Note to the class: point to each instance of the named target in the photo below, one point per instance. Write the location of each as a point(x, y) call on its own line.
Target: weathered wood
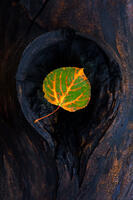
point(29, 169)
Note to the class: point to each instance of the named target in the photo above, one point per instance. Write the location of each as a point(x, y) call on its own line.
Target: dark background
point(28, 168)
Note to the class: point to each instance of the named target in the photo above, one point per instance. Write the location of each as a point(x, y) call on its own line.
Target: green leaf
point(68, 88)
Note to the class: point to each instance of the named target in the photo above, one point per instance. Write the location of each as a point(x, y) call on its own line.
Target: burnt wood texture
point(89, 159)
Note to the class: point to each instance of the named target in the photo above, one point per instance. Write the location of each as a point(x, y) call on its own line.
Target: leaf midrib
point(80, 72)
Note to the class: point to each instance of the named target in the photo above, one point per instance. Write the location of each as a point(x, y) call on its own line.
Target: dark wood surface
point(29, 169)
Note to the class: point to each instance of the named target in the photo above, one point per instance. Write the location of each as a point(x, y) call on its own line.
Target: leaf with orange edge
point(68, 88)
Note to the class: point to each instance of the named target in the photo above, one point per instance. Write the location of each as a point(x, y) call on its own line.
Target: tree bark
point(29, 167)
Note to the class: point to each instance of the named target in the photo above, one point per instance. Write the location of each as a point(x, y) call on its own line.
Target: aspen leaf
point(68, 88)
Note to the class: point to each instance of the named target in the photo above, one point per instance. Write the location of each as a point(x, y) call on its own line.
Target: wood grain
point(29, 170)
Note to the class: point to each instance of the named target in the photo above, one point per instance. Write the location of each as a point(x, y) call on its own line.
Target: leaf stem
point(47, 115)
